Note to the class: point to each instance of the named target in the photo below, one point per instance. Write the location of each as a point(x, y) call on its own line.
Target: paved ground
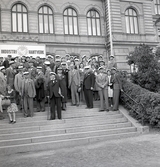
point(141, 151)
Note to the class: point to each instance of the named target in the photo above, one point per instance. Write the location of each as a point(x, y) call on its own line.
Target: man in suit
point(117, 87)
point(88, 85)
point(102, 87)
point(28, 93)
point(54, 90)
point(74, 83)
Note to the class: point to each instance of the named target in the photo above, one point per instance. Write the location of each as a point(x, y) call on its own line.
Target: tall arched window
point(131, 21)
point(93, 21)
point(19, 18)
point(45, 16)
point(70, 21)
point(157, 6)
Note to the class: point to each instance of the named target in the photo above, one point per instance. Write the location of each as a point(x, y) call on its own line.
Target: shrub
point(144, 105)
point(148, 74)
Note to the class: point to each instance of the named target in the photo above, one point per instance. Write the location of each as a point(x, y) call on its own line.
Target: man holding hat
point(55, 95)
point(88, 85)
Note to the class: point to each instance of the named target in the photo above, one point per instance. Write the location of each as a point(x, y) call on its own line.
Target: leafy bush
point(148, 74)
point(144, 105)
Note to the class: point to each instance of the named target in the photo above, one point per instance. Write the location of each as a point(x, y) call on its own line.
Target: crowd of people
point(27, 83)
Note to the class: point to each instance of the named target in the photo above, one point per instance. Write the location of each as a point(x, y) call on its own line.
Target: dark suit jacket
point(54, 88)
point(89, 80)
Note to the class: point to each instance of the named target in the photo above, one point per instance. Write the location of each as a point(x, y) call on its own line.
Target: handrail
point(142, 115)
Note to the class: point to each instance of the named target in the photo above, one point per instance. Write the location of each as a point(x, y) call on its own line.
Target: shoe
point(10, 122)
point(77, 105)
point(107, 110)
point(63, 109)
point(87, 108)
point(14, 122)
point(101, 110)
point(73, 105)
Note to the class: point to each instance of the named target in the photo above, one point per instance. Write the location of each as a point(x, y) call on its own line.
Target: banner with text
point(22, 50)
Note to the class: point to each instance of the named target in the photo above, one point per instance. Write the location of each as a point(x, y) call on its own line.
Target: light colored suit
point(102, 87)
point(28, 93)
point(74, 82)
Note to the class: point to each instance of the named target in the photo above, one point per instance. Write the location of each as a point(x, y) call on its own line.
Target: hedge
point(141, 103)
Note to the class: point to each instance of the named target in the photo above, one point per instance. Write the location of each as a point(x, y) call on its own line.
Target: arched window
point(131, 21)
point(70, 21)
point(157, 6)
point(19, 18)
point(45, 16)
point(93, 21)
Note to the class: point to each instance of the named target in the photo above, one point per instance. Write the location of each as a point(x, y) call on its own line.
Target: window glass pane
point(51, 24)
point(50, 11)
point(45, 9)
point(19, 22)
point(131, 25)
point(88, 14)
point(46, 24)
point(40, 23)
point(25, 26)
point(14, 22)
point(136, 25)
point(70, 25)
point(74, 13)
point(97, 15)
point(14, 8)
point(89, 26)
point(127, 25)
point(65, 12)
point(98, 27)
point(130, 12)
point(70, 12)
point(19, 8)
point(75, 26)
point(40, 10)
point(24, 9)
point(65, 25)
point(94, 26)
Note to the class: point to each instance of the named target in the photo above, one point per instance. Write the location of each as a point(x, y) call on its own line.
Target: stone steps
point(78, 126)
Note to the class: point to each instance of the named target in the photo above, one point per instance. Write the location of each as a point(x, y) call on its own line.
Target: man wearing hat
point(117, 87)
point(112, 62)
point(10, 73)
point(74, 82)
point(40, 85)
point(3, 81)
point(63, 84)
point(47, 71)
point(28, 93)
point(55, 95)
point(18, 85)
point(88, 85)
point(102, 87)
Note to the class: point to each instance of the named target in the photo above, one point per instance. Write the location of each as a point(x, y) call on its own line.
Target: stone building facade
point(78, 27)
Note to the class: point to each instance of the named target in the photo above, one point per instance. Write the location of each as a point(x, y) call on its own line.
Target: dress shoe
point(101, 110)
point(107, 110)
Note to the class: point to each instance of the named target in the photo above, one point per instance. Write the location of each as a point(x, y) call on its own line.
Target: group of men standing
point(55, 79)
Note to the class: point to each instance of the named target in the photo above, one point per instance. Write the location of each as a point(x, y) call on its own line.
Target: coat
point(74, 76)
point(54, 88)
point(102, 80)
point(40, 91)
point(28, 89)
point(89, 80)
point(117, 83)
point(3, 83)
point(18, 82)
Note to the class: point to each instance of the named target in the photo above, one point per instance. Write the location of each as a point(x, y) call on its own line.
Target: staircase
point(79, 126)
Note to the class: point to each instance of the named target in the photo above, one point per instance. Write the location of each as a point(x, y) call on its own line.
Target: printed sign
point(22, 50)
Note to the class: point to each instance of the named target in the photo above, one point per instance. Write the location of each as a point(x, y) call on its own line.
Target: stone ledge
point(140, 128)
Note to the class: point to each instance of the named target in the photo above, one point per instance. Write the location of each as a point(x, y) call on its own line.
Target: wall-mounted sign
point(22, 50)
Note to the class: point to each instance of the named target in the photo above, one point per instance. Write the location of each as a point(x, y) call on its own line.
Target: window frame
point(48, 15)
point(91, 18)
point(157, 7)
point(73, 25)
point(129, 17)
point(22, 19)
